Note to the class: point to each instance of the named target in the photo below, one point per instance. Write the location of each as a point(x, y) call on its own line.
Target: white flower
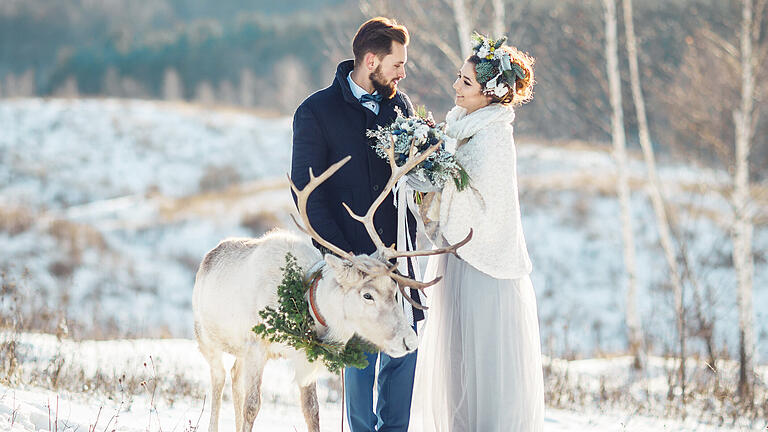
point(500, 90)
point(421, 132)
point(484, 50)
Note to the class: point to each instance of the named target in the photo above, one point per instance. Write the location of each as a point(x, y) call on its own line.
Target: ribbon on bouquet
point(404, 202)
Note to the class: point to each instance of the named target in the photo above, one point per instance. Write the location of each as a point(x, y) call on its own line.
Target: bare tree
point(654, 185)
point(20, 86)
point(464, 26)
point(132, 88)
point(173, 90)
point(499, 17)
point(226, 93)
point(68, 89)
point(247, 88)
point(204, 93)
point(744, 120)
point(111, 85)
point(292, 83)
point(717, 85)
point(620, 154)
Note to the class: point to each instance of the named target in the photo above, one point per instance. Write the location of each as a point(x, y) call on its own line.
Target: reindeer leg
point(253, 368)
point(310, 407)
point(238, 388)
point(218, 376)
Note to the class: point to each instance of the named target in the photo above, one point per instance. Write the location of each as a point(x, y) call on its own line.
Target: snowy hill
point(107, 207)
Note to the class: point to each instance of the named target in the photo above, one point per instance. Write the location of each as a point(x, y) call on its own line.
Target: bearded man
point(328, 126)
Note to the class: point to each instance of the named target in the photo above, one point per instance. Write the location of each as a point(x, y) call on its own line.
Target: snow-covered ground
point(107, 207)
point(169, 365)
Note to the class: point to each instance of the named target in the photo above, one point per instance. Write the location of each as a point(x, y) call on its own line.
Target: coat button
point(375, 187)
point(380, 231)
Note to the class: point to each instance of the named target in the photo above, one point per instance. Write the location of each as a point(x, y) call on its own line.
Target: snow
point(26, 408)
point(28, 411)
point(114, 190)
point(64, 152)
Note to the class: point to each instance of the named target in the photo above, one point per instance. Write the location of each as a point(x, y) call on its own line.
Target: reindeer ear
point(346, 274)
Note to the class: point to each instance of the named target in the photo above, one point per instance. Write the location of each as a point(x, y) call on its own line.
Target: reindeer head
point(369, 305)
point(369, 283)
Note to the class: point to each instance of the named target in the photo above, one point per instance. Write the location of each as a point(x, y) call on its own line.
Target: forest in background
point(266, 55)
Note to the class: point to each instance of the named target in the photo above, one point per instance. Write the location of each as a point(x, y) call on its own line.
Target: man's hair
point(376, 36)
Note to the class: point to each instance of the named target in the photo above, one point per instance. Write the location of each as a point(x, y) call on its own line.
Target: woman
point(479, 364)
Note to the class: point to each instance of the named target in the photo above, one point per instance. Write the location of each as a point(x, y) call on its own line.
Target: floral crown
point(495, 67)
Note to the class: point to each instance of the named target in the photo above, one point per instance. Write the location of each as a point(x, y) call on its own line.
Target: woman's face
point(469, 93)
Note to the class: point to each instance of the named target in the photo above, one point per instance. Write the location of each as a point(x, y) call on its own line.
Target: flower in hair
point(495, 67)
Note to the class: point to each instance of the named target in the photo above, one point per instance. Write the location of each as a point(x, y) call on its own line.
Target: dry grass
point(711, 393)
point(205, 109)
point(261, 222)
point(16, 220)
point(75, 238)
point(218, 177)
point(59, 373)
point(211, 203)
point(567, 144)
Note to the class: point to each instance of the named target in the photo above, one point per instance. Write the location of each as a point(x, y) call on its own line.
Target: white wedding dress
point(479, 359)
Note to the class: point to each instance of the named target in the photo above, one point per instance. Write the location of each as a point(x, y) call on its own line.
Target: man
point(328, 126)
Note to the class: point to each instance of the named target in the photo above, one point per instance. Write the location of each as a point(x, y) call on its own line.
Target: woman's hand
point(420, 185)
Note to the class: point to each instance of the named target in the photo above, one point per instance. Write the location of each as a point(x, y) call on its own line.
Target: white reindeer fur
point(239, 278)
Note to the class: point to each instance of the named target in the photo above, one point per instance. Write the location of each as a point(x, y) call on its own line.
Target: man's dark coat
point(328, 126)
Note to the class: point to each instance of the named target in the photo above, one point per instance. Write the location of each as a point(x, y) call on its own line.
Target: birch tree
point(173, 90)
point(499, 16)
point(620, 155)
point(744, 120)
point(718, 86)
point(464, 27)
point(654, 185)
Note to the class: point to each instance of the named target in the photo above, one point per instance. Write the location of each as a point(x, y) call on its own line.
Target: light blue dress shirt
point(359, 92)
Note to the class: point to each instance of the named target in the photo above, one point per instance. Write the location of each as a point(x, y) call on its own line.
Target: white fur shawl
point(490, 205)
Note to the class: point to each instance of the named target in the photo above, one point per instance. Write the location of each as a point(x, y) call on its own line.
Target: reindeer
point(355, 294)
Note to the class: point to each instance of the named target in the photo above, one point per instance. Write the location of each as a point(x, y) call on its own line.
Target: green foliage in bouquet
point(291, 324)
point(422, 113)
point(462, 179)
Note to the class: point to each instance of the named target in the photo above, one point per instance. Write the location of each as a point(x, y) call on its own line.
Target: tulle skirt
point(479, 361)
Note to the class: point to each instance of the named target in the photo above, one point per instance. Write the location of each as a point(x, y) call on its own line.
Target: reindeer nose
point(411, 342)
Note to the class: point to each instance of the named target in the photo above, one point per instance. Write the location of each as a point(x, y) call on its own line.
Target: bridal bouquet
point(422, 132)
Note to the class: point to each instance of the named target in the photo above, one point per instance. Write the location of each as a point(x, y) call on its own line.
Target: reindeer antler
point(448, 249)
point(385, 252)
point(403, 281)
point(302, 196)
point(388, 252)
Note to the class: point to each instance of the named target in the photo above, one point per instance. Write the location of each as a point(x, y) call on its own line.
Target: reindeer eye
point(367, 296)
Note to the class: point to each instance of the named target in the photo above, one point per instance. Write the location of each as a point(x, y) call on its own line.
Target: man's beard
point(385, 90)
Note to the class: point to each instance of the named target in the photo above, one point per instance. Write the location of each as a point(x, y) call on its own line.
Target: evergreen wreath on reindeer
point(291, 323)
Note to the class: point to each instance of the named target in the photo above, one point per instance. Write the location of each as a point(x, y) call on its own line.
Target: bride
point(479, 362)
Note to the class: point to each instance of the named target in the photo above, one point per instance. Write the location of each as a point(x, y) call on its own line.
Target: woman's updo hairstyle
point(488, 64)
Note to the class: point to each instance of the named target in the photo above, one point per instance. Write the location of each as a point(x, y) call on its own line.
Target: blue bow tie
point(370, 98)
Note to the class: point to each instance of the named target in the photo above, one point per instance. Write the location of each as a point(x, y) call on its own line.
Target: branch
point(725, 46)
